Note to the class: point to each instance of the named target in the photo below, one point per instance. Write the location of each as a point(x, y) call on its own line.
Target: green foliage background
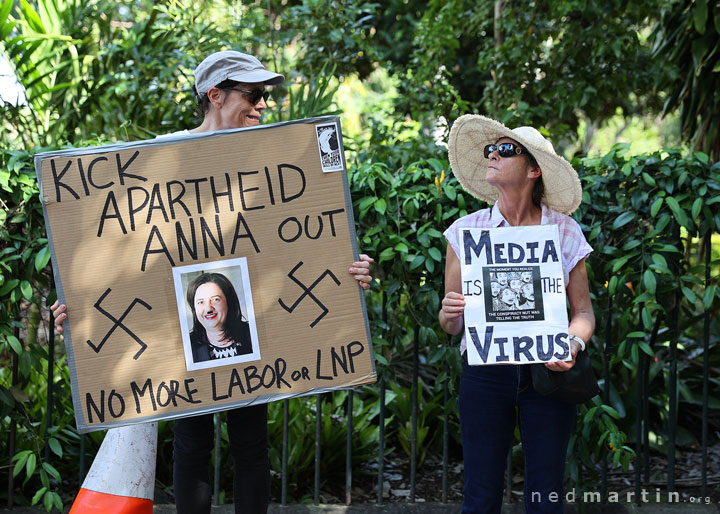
point(110, 70)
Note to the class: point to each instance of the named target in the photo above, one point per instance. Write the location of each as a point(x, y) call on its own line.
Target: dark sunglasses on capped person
point(255, 94)
point(504, 150)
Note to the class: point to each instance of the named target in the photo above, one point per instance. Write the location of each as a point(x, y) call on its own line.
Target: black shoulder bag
point(576, 385)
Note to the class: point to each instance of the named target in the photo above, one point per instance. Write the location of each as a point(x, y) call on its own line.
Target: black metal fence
point(642, 466)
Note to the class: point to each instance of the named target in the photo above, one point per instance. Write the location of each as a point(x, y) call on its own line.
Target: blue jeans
point(247, 432)
point(489, 399)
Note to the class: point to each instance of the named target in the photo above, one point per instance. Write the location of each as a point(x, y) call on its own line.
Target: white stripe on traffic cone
point(121, 479)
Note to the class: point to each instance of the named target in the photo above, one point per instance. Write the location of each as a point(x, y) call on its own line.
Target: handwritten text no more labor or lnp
point(331, 364)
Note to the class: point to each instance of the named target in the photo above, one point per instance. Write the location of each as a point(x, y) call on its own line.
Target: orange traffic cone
point(121, 479)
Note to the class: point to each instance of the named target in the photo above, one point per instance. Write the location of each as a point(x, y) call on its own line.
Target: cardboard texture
point(266, 207)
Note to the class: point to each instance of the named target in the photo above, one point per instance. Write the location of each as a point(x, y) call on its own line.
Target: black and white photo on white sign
point(512, 289)
point(513, 293)
point(329, 147)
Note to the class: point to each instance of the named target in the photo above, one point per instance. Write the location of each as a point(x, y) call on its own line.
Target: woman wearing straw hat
point(230, 91)
point(527, 183)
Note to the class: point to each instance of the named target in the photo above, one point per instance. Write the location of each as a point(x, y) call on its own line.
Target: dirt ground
point(620, 484)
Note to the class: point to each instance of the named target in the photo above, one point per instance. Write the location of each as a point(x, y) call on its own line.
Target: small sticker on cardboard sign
point(329, 147)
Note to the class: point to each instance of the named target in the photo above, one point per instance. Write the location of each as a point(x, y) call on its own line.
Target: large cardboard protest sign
point(158, 246)
point(515, 302)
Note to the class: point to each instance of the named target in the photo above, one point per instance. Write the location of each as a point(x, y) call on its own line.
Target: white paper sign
point(512, 280)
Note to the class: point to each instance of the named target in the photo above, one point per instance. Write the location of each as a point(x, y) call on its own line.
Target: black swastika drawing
point(308, 292)
point(119, 323)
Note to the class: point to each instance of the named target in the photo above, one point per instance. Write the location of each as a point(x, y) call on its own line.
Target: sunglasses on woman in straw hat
point(504, 150)
point(473, 138)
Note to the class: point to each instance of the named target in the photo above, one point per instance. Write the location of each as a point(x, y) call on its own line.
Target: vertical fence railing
point(643, 460)
point(381, 444)
point(606, 388)
point(285, 442)
point(672, 386)
point(672, 393)
point(381, 420)
point(216, 477)
point(50, 382)
point(348, 450)
point(318, 449)
point(640, 423)
point(13, 426)
point(414, 389)
point(445, 437)
point(706, 370)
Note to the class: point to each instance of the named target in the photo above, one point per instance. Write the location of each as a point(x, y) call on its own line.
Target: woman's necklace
point(222, 347)
point(223, 352)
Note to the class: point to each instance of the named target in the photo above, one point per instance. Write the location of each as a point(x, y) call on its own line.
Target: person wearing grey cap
point(230, 91)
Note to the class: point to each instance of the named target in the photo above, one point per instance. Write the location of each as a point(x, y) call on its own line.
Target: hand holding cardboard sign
point(58, 311)
point(360, 270)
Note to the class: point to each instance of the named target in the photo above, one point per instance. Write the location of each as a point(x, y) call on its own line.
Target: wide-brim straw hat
point(468, 137)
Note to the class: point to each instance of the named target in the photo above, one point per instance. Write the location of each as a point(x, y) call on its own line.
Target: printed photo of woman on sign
point(216, 319)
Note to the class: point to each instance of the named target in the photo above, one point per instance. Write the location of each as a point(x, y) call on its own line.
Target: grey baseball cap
point(232, 65)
